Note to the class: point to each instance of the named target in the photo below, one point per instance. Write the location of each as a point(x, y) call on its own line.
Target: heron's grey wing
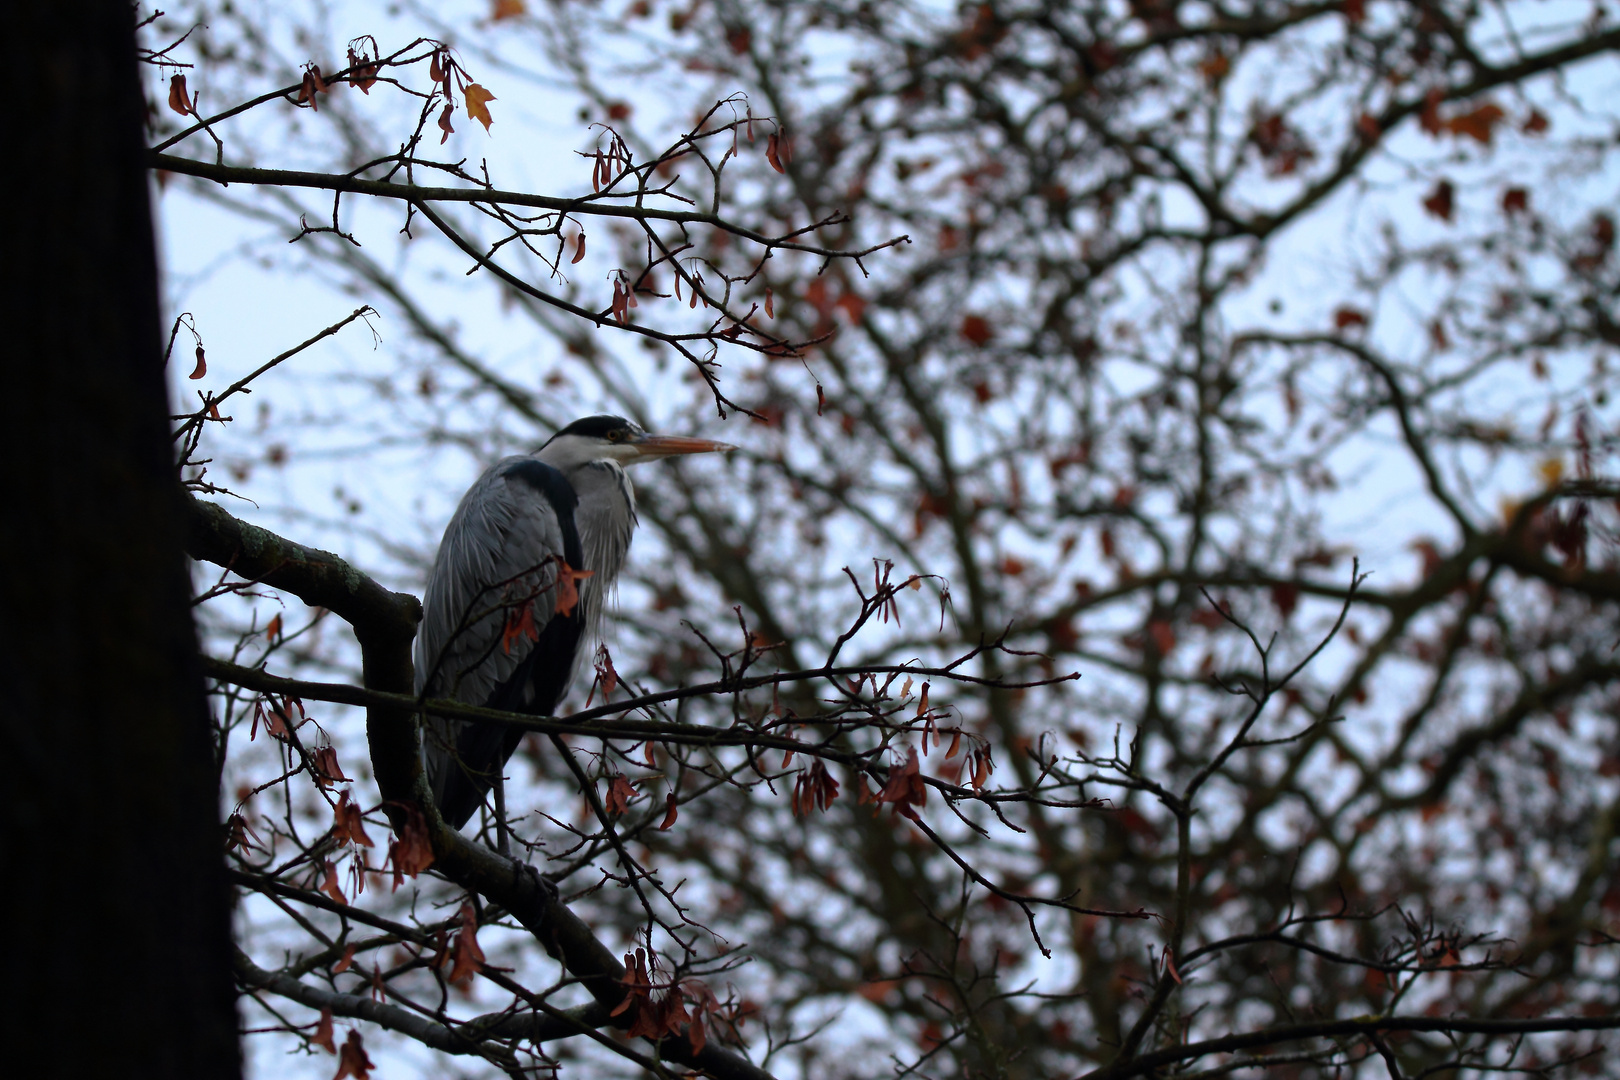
point(487, 635)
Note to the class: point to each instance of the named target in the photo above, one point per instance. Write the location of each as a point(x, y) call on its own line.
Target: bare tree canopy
point(1162, 620)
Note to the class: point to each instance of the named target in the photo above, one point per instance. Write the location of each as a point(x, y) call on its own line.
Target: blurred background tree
point(1206, 312)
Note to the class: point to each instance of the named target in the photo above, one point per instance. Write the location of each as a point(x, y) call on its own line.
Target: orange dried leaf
point(519, 625)
point(273, 630)
point(329, 883)
point(670, 813)
point(345, 962)
point(202, 365)
point(179, 100)
point(477, 100)
point(507, 9)
point(579, 248)
point(1477, 124)
point(773, 152)
point(567, 590)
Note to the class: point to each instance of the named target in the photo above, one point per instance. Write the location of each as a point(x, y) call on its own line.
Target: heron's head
point(595, 439)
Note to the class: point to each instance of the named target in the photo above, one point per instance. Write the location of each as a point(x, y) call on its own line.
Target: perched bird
point(517, 591)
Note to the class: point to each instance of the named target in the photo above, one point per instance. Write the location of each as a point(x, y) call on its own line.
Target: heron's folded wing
point(492, 591)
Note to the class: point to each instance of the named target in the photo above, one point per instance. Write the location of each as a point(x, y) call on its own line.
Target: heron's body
point(493, 632)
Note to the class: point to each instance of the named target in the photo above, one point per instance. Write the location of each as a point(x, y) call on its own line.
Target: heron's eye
point(615, 436)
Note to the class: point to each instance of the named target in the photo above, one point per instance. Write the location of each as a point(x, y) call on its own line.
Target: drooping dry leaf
point(348, 823)
point(568, 590)
point(444, 126)
point(507, 9)
point(329, 883)
point(814, 789)
point(610, 677)
point(905, 787)
point(312, 85)
point(323, 1033)
point(179, 100)
point(238, 833)
point(467, 959)
point(352, 1060)
point(344, 961)
point(477, 100)
point(362, 72)
point(636, 981)
point(621, 792)
point(202, 365)
point(328, 771)
point(670, 813)
point(579, 249)
point(412, 853)
point(519, 625)
point(1441, 200)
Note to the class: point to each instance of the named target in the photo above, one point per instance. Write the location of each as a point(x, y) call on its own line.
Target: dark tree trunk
point(118, 931)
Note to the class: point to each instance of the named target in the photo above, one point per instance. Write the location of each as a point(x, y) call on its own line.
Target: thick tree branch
point(1359, 1026)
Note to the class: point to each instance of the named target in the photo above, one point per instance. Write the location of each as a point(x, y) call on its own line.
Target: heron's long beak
point(650, 447)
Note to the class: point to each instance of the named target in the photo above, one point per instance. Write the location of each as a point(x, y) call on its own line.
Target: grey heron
point(502, 626)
